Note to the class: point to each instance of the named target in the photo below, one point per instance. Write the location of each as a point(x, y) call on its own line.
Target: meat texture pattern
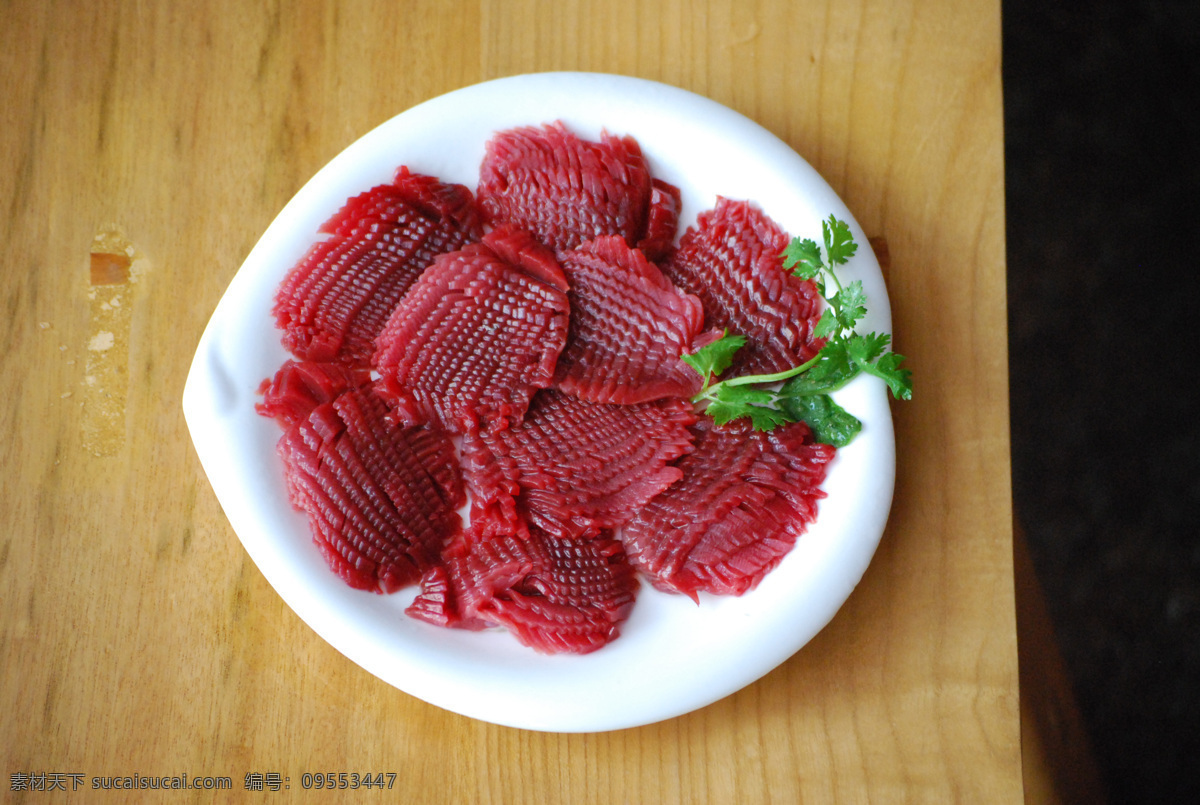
point(486, 395)
point(333, 304)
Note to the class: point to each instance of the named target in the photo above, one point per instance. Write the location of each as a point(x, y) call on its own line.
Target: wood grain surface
point(146, 146)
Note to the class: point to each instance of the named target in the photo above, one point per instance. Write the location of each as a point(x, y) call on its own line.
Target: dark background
point(1102, 168)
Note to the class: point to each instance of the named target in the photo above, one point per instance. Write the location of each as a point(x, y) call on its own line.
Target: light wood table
point(136, 635)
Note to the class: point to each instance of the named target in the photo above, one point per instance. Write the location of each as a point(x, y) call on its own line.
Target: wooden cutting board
point(146, 147)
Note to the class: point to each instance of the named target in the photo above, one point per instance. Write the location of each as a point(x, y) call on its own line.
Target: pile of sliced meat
point(487, 397)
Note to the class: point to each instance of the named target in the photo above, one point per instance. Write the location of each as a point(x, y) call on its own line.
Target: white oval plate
point(673, 656)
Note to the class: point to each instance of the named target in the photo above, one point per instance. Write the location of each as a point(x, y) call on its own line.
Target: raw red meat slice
point(628, 327)
point(574, 468)
point(381, 500)
point(479, 332)
point(299, 387)
point(732, 260)
point(662, 221)
point(744, 499)
point(566, 190)
point(334, 302)
point(436, 602)
point(555, 595)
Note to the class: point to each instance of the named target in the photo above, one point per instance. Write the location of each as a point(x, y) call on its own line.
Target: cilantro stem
point(709, 391)
point(828, 271)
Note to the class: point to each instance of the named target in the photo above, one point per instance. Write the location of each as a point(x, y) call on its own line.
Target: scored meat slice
point(477, 335)
point(628, 327)
point(554, 595)
point(744, 499)
point(732, 260)
point(567, 190)
point(333, 303)
point(662, 220)
point(381, 500)
point(300, 386)
point(574, 468)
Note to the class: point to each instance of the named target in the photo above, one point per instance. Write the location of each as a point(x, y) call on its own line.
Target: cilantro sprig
point(802, 393)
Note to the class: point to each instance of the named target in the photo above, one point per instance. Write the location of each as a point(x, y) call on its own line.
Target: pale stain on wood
point(111, 300)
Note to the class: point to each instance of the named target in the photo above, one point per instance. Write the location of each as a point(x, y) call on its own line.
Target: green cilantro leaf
point(868, 354)
point(826, 326)
point(851, 304)
point(839, 241)
point(832, 370)
point(803, 258)
point(766, 419)
point(733, 402)
point(830, 423)
point(888, 369)
point(863, 349)
point(712, 359)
